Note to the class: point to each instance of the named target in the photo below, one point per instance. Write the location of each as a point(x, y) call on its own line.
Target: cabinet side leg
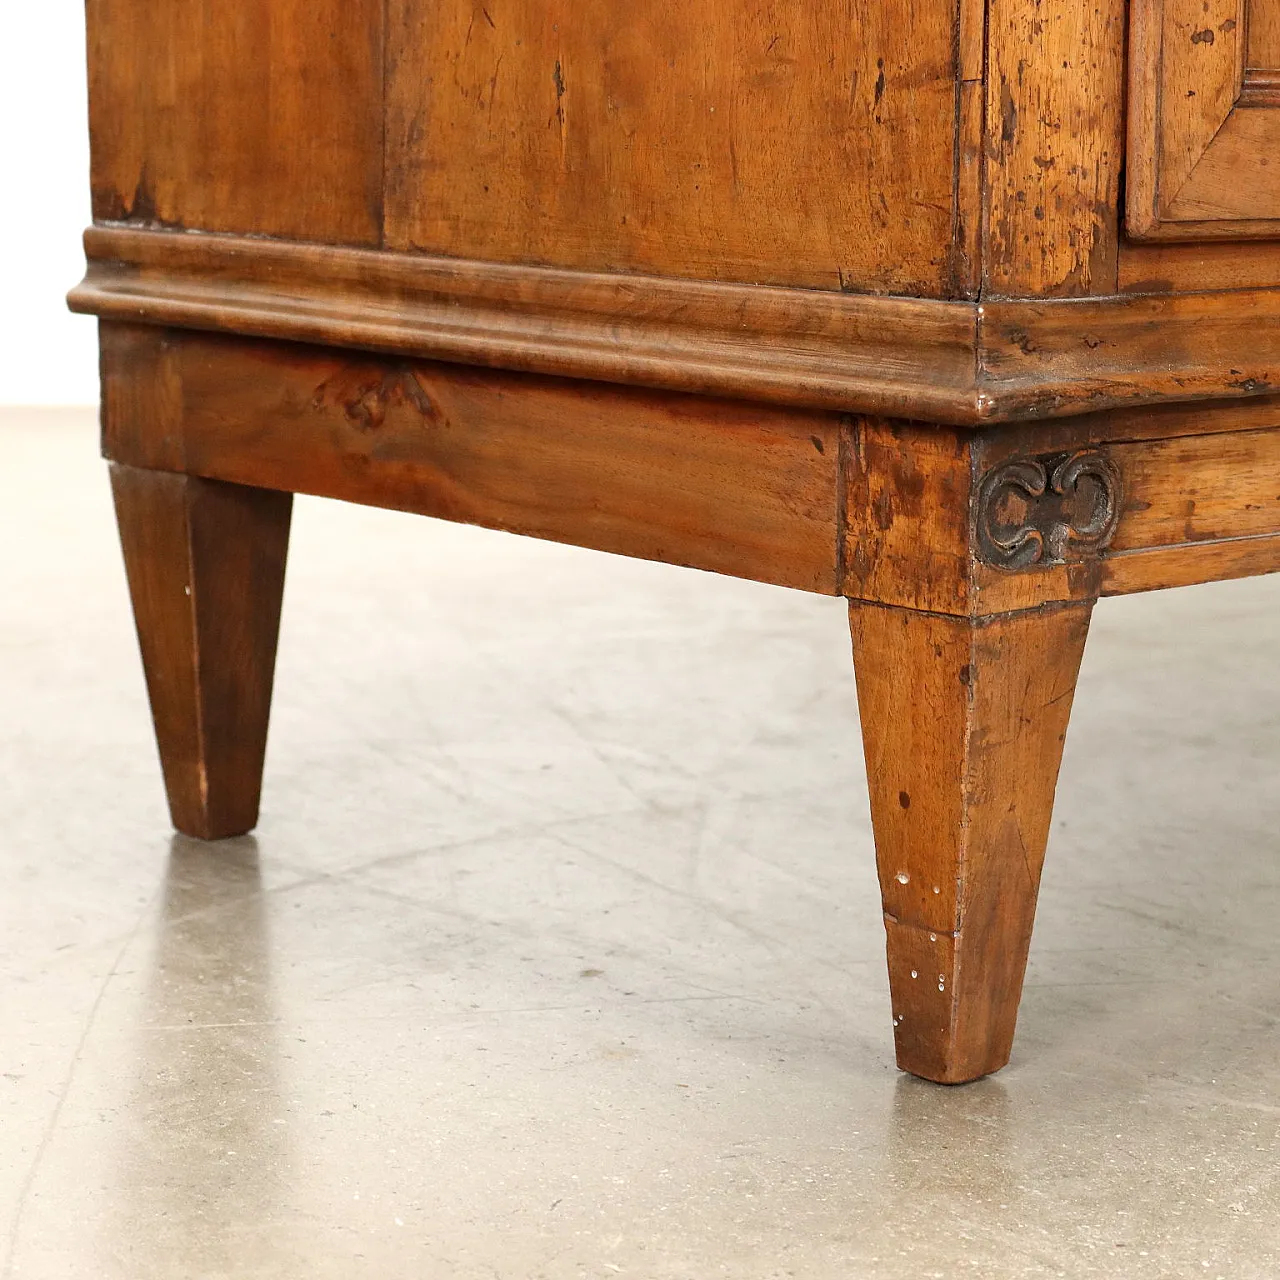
point(963, 723)
point(205, 562)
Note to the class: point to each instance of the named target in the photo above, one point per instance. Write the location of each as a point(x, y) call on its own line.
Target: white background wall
point(47, 355)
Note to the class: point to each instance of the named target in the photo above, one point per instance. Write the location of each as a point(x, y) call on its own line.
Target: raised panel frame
point(1204, 124)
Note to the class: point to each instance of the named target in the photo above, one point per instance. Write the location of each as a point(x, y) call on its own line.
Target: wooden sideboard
point(967, 312)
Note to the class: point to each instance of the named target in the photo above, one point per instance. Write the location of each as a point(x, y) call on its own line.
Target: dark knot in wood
point(1040, 511)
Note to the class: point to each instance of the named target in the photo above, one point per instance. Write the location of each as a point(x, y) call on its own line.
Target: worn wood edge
point(1142, 124)
point(954, 362)
point(1187, 564)
point(1261, 88)
point(1168, 231)
point(807, 348)
point(1120, 573)
point(1055, 358)
point(1180, 267)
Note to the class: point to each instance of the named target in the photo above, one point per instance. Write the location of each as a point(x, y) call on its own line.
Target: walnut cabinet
point(967, 312)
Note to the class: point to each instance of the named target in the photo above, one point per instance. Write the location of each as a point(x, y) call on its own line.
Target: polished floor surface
point(558, 951)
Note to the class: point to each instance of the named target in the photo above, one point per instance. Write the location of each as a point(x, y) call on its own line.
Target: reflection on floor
point(558, 951)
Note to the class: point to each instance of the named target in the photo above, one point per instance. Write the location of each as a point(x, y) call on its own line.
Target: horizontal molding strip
point(934, 361)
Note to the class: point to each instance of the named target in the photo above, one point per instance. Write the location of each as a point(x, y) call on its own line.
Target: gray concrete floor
point(558, 951)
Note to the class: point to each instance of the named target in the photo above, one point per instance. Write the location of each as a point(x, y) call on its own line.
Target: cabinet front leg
point(963, 721)
point(205, 562)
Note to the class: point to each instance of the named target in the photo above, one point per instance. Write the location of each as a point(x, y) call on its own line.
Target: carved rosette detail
point(1045, 511)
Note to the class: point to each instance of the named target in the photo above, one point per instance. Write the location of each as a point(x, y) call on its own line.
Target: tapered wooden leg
point(963, 722)
point(206, 567)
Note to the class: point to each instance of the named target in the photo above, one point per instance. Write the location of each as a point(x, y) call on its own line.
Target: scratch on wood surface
point(561, 114)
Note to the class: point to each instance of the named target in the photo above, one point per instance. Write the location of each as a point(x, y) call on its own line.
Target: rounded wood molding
point(963, 363)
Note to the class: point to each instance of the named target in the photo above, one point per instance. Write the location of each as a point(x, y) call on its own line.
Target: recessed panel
point(807, 144)
point(254, 117)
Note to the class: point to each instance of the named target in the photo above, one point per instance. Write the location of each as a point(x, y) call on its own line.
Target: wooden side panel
point(735, 488)
point(1153, 267)
point(141, 389)
point(250, 117)
point(968, 246)
point(1199, 489)
point(804, 144)
point(1188, 565)
point(1055, 133)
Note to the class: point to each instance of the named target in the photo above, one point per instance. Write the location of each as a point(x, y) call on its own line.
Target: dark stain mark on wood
point(366, 394)
point(111, 206)
point(1008, 115)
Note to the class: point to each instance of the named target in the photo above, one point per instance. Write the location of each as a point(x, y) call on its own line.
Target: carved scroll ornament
point(1042, 511)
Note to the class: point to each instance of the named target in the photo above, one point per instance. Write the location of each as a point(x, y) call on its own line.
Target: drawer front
point(1204, 120)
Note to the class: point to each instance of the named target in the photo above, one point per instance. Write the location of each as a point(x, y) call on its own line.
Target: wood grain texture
point(1189, 564)
point(256, 118)
point(1055, 147)
point(1133, 422)
point(1199, 489)
point(1201, 62)
point(970, 148)
point(746, 490)
point(963, 724)
point(952, 362)
point(807, 145)
point(908, 515)
point(1159, 267)
point(1188, 481)
point(1203, 130)
point(1248, 143)
point(910, 520)
point(967, 270)
point(1044, 359)
point(793, 346)
point(206, 566)
point(1263, 23)
point(1181, 80)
